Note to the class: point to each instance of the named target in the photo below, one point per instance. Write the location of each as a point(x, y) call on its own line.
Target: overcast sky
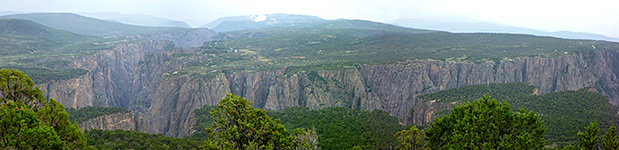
point(592, 16)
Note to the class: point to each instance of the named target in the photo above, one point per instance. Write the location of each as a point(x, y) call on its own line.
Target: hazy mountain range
point(469, 25)
point(111, 23)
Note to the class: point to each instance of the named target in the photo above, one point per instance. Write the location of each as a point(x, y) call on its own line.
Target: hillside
point(138, 19)
point(23, 36)
point(235, 23)
point(459, 24)
point(564, 113)
point(85, 25)
point(346, 43)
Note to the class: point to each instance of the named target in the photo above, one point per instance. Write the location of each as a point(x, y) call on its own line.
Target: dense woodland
point(564, 113)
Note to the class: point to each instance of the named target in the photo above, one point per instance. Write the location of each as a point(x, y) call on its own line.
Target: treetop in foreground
point(237, 125)
point(486, 124)
point(29, 121)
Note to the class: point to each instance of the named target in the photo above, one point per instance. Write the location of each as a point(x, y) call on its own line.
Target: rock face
point(132, 76)
point(123, 121)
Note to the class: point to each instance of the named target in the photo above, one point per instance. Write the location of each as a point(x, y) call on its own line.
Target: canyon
point(137, 76)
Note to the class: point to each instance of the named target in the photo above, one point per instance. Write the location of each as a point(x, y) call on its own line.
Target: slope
point(85, 25)
point(138, 19)
point(23, 36)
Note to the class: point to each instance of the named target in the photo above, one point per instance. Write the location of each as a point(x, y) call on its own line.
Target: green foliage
point(570, 147)
point(486, 124)
point(410, 139)
point(344, 128)
point(29, 121)
point(20, 129)
point(348, 43)
point(611, 140)
point(23, 37)
point(124, 139)
point(240, 126)
point(563, 112)
point(83, 114)
point(588, 139)
point(43, 75)
point(336, 128)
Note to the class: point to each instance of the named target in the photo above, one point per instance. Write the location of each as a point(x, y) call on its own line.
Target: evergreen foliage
point(125, 139)
point(83, 114)
point(29, 120)
point(239, 126)
point(411, 139)
point(588, 139)
point(343, 128)
point(486, 124)
point(563, 112)
point(611, 141)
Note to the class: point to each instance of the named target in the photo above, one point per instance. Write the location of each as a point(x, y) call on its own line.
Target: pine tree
point(610, 141)
point(28, 121)
point(410, 139)
point(486, 124)
point(589, 138)
point(239, 126)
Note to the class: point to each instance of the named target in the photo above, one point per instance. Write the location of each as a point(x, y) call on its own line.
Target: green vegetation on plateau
point(83, 114)
point(343, 44)
point(564, 113)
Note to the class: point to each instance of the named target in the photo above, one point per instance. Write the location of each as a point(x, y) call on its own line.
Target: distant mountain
point(86, 25)
point(236, 23)
point(469, 25)
point(138, 19)
point(24, 37)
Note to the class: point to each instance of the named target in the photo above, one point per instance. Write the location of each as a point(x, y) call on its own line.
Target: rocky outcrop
point(123, 121)
point(132, 76)
point(113, 76)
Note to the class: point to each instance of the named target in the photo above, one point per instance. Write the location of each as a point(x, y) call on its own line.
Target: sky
point(590, 16)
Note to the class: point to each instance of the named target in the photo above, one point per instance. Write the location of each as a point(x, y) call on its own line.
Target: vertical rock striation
point(132, 76)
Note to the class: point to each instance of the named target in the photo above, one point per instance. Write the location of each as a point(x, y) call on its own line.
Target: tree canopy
point(237, 125)
point(29, 121)
point(486, 124)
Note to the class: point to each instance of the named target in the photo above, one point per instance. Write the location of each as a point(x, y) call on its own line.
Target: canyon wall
point(133, 76)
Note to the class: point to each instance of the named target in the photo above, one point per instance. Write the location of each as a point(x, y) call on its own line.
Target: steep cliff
point(112, 76)
point(134, 76)
point(123, 121)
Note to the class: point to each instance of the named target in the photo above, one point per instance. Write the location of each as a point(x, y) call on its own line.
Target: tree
point(410, 139)
point(610, 141)
point(486, 124)
point(589, 138)
point(28, 121)
point(239, 126)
